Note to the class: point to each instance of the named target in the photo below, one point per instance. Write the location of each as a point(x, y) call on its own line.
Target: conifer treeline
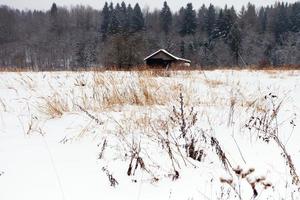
point(122, 35)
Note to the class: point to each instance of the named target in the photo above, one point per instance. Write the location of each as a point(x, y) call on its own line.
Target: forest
point(121, 35)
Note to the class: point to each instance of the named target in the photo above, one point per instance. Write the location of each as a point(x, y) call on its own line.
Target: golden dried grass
point(214, 83)
point(54, 106)
point(141, 91)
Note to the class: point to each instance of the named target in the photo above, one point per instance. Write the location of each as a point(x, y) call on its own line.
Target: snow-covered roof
point(169, 54)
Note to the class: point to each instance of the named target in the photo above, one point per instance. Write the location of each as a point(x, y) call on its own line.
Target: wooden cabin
point(163, 58)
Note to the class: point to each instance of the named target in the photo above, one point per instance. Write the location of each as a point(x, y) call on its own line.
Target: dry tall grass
point(137, 89)
point(98, 91)
point(54, 106)
point(103, 91)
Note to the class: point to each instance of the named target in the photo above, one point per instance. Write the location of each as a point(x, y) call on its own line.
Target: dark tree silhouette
point(189, 23)
point(166, 18)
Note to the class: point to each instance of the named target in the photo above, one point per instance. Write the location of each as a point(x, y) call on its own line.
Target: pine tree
point(189, 23)
point(166, 18)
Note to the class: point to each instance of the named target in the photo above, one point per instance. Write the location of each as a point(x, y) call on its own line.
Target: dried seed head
point(251, 170)
point(260, 179)
point(267, 185)
point(238, 170)
point(228, 181)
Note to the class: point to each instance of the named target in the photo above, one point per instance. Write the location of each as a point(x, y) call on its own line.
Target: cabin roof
point(169, 54)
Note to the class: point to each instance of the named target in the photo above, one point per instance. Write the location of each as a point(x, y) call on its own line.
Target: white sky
point(98, 4)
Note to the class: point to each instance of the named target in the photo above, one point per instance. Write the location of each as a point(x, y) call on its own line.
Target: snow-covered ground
point(120, 135)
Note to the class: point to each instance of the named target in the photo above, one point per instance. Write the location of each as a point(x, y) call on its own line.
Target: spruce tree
point(295, 17)
point(281, 22)
point(220, 25)
point(53, 11)
point(189, 23)
point(202, 13)
point(54, 22)
point(210, 20)
point(226, 19)
point(129, 14)
point(105, 20)
point(234, 41)
point(262, 20)
point(114, 25)
point(137, 19)
point(166, 18)
point(123, 18)
point(248, 18)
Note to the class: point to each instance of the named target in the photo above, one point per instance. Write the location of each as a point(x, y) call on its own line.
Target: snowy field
point(150, 135)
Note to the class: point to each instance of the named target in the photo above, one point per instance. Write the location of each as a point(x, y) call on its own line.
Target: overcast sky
point(98, 4)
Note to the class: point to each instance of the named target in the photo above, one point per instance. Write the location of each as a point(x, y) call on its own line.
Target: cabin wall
point(158, 62)
point(164, 63)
